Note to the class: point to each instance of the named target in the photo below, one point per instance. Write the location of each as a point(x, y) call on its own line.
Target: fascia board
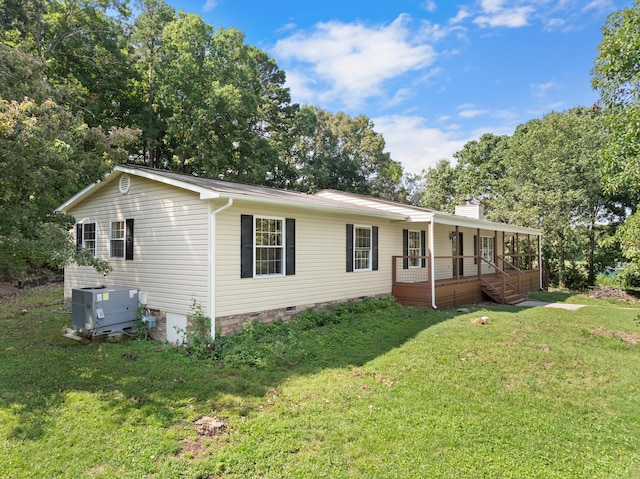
point(452, 220)
point(205, 193)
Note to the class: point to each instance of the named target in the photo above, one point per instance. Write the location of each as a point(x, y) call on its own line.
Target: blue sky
point(431, 74)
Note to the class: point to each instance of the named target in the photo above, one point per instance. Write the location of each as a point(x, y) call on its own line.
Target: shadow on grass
point(39, 367)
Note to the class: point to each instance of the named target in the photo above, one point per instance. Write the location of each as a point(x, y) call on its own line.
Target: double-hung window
point(116, 239)
point(86, 237)
point(89, 237)
point(362, 248)
point(269, 246)
point(415, 249)
point(121, 239)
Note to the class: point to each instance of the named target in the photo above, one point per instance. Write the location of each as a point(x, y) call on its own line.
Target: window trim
point(282, 247)
point(369, 249)
point(123, 239)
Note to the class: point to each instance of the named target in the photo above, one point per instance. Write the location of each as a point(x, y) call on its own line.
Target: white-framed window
point(269, 246)
point(415, 248)
point(362, 248)
point(89, 237)
point(487, 248)
point(117, 232)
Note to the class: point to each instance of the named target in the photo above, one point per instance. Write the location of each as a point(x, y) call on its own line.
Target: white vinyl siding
point(320, 261)
point(171, 243)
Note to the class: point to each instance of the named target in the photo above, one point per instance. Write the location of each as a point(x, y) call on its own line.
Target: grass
point(380, 391)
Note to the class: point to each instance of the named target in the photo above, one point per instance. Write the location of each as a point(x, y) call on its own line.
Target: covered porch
point(501, 269)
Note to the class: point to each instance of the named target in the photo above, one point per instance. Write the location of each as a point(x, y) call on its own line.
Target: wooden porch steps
point(492, 287)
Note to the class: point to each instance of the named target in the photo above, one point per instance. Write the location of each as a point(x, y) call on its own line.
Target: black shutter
point(128, 243)
point(246, 246)
point(423, 247)
point(461, 253)
point(349, 248)
point(405, 249)
point(374, 246)
point(291, 246)
point(79, 236)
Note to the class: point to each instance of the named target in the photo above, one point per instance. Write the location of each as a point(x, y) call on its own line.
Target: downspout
point(212, 267)
point(432, 262)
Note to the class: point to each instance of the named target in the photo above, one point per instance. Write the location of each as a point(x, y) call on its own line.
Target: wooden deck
point(413, 290)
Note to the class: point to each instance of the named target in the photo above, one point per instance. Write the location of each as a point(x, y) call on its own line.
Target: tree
point(479, 171)
point(83, 49)
point(50, 154)
point(616, 77)
point(147, 40)
point(553, 182)
point(344, 153)
point(439, 188)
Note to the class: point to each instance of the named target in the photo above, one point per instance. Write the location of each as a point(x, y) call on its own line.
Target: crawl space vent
point(125, 184)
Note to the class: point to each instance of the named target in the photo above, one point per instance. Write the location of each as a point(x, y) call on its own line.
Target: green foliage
point(259, 344)
point(344, 153)
point(51, 154)
point(198, 342)
point(616, 77)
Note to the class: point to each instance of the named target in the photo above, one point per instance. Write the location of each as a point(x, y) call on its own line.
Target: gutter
point(212, 266)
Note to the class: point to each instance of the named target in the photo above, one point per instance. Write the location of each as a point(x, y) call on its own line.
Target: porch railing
point(411, 269)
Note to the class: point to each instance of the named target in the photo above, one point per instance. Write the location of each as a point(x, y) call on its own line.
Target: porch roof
point(416, 214)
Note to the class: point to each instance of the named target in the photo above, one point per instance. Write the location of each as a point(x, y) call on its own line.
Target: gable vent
point(125, 184)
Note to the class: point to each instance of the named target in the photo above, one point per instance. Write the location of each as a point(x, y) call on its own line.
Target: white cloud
point(540, 89)
point(429, 5)
point(354, 60)
point(472, 113)
point(462, 14)
point(513, 18)
point(415, 145)
point(209, 5)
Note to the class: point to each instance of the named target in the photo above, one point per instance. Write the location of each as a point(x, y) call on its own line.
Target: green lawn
point(380, 391)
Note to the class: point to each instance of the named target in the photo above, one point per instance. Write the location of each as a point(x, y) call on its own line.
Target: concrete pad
point(544, 304)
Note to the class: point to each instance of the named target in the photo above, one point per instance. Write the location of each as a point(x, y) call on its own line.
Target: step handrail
point(503, 275)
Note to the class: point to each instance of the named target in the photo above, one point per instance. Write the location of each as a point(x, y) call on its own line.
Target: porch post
point(478, 243)
point(432, 264)
point(456, 259)
point(540, 260)
point(518, 272)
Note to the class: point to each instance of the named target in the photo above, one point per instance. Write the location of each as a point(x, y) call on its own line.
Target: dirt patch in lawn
point(630, 338)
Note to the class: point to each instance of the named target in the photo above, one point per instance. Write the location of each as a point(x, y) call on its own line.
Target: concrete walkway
point(544, 304)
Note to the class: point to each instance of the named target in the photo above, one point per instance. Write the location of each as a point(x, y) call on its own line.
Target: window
point(269, 246)
point(362, 248)
point(89, 237)
point(86, 237)
point(486, 248)
point(121, 239)
point(116, 239)
point(415, 249)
